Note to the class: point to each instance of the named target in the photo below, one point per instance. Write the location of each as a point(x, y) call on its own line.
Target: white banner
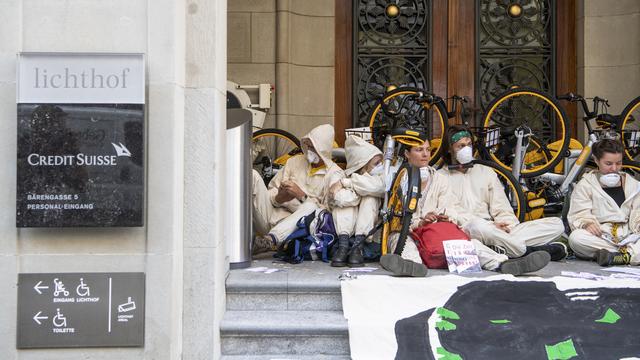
point(81, 78)
point(497, 317)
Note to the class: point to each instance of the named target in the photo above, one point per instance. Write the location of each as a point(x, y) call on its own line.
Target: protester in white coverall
point(297, 190)
point(605, 209)
point(437, 203)
point(355, 199)
point(491, 218)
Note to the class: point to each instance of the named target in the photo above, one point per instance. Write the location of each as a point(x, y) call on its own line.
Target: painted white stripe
point(581, 293)
point(585, 298)
point(109, 304)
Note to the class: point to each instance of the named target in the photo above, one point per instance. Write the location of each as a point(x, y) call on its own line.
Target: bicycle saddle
point(409, 137)
point(614, 121)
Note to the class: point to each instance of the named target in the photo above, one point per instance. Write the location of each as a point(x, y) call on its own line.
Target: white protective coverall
point(437, 197)
point(482, 196)
point(280, 220)
point(591, 204)
point(356, 206)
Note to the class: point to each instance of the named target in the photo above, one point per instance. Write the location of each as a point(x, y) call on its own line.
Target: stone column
point(205, 264)
point(609, 50)
point(9, 44)
point(180, 248)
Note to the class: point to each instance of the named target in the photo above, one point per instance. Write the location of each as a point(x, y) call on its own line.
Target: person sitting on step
point(355, 199)
point(492, 219)
point(605, 210)
point(437, 203)
point(297, 190)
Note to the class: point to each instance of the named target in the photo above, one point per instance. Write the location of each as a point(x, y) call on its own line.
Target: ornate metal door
point(391, 49)
point(475, 48)
point(516, 46)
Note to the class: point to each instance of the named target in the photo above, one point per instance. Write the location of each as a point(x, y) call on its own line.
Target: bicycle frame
point(387, 158)
point(570, 173)
point(522, 133)
point(579, 164)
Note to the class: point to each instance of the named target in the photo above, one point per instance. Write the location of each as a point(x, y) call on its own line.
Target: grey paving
point(318, 276)
point(286, 357)
point(309, 286)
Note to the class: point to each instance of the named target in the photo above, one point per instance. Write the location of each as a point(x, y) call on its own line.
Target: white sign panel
point(81, 78)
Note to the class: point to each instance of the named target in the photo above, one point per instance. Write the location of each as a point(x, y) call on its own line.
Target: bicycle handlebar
point(571, 97)
point(568, 96)
point(598, 99)
point(420, 97)
point(454, 105)
point(386, 110)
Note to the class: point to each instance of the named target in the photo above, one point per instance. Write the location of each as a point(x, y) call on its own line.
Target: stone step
point(284, 333)
point(286, 357)
point(310, 286)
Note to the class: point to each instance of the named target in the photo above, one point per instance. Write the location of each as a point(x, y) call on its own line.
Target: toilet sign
point(80, 310)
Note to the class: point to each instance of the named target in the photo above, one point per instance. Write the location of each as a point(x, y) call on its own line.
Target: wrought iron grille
point(516, 41)
point(390, 50)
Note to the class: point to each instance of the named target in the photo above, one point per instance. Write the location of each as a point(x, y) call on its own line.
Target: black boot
point(356, 255)
point(557, 250)
point(340, 256)
point(526, 264)
point(402, 267)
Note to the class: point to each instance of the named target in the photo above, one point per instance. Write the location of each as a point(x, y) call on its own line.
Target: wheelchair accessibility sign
point(80, 310)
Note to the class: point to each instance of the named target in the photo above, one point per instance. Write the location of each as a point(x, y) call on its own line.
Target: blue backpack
point(311, 240)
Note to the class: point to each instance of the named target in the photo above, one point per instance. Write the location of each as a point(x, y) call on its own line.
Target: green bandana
point(459, 135)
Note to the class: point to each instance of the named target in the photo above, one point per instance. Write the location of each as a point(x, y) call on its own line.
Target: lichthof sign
point(80, 310)
point(80, 140)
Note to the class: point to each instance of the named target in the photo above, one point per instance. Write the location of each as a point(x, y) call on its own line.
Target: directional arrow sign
point(79, 319)
point(38, 287)
point(37, 318)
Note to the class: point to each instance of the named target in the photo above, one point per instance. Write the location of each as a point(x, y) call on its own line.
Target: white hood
point(358, 152)
point(322, 139)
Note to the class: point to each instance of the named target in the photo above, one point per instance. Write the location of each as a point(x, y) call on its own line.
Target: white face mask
point(465, 155)
point(610, 180)
point(312, 157)
point(377, 170)
point(424, 173)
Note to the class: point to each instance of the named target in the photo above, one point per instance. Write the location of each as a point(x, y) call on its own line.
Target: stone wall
point(305, 64)
point(609, 50)
point(288, 43)
point(251, 46)
point(181, 246)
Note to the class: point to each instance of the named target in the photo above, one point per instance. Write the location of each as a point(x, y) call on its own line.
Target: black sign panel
point(80, 310)
point(80, 165)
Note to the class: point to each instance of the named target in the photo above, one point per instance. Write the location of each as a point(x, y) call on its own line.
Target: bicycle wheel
point(512, 189)
point(632, 168)
point(538, 111)
point(270, 150)
point(631, 128)
point(402, 203)
point(429, 119)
